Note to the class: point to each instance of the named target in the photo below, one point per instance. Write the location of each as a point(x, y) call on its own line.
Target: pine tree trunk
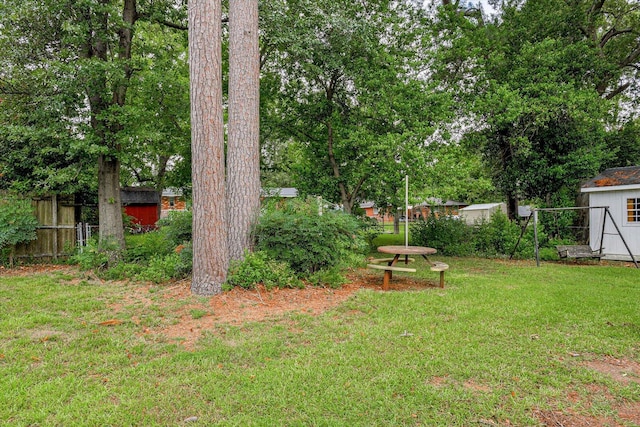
point(243, 149)
point(210, 254)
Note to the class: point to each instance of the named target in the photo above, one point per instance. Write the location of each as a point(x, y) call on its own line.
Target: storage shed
point(141, 204)
point(618, 189)
point(475, 213)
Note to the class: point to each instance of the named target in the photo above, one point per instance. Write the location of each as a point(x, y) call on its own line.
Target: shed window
point(633, 210)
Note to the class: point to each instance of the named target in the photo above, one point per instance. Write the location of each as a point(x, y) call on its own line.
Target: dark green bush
point(294, 233)
point(258, 267)
point(449, 235)
point(498, 236)
point(177, 227)
point(98, 255)
point(17, 224)
point(142, 247)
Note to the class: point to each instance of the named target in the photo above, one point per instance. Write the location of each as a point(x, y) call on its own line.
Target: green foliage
point(161, 268)
point(294, 233)
point(141, 247)
point(258, 267)
point(98, 255)
point(177, 227)
point(17, 221)
point(447, 234)
point(496, 237)
point(149, 256)
point(332, 278)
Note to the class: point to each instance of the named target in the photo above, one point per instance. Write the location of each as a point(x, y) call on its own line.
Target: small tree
point(17, 224)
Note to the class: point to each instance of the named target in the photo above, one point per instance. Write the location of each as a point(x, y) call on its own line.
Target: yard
point(504, 344)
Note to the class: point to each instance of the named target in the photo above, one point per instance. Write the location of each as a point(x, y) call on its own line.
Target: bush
point(98, 255)
point(498, 236)
point(294, 233)
point(17, 223)
point(257, 268)
point(449, 235)
point(177, 227)
point(142, 247)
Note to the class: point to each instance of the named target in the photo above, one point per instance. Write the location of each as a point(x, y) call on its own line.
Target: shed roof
point(138, 195)
point(614, 177)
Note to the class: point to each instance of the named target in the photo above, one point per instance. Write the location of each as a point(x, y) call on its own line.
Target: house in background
point(437, 206)
point(171, 200)
point(619, 190)
point(418, 211)
point(283, 193)
point(475, 213)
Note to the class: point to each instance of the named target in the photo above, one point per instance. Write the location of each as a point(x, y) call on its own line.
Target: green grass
point(500, 341)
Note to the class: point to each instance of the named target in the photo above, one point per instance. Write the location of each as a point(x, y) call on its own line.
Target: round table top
point(407, 250)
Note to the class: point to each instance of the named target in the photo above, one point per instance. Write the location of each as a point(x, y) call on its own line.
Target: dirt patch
point(626, 413)
point(621, 370)
point(195, 315)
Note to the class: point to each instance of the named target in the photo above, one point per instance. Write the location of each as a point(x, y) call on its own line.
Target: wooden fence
point(56, 232)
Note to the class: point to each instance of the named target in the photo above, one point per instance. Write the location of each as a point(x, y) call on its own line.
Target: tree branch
point(618, 90)
point(611, 34)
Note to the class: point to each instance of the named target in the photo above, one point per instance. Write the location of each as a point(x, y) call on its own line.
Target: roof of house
point(435, 201)
point(615, 177)
point(171, 192)
point(481, 206)
point(279, 192)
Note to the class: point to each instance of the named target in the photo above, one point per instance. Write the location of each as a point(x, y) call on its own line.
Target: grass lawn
point(505, 343)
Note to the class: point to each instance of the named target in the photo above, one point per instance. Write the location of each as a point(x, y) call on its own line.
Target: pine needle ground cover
point(503, 344)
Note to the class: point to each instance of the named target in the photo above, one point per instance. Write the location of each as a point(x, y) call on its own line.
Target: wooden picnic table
point(397, 252)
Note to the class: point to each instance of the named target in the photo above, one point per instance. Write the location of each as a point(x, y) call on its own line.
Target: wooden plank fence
point(56, 232)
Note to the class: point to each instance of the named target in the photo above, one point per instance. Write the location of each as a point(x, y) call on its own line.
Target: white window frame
point(626, 210)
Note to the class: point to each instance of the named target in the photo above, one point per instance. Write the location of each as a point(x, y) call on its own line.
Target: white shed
point(619, 190)
point(475, 213)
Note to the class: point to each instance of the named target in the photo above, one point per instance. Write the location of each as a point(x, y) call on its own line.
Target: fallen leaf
point(111, 322)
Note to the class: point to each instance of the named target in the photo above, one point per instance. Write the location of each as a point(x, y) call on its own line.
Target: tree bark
point(243, 148)
point(210, 254)
point(109, 201)
point(106, 128)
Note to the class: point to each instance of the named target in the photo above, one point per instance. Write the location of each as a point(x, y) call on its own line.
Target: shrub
point(142, 247)
point(257, 268)
point(98, 255)
point(294, 233)
point(449, 235)
point(498, 236)
point(161, 268)
point(17, 223)
point(331, 277)
point(177, 227)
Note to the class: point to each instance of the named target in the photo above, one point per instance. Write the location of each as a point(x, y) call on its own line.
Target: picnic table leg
point(388, 274)
point(442, 279)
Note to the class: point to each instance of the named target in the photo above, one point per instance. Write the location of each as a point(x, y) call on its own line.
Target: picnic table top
point(407, 250)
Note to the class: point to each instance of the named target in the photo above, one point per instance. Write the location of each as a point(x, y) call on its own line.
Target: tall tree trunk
point(210, 254)
point(109, 201)
point(243, 148)
point(107, 128)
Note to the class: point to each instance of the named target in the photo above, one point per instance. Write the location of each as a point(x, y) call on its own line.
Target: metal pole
point(406, 210)
point(622, 237)
point(535, 236)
